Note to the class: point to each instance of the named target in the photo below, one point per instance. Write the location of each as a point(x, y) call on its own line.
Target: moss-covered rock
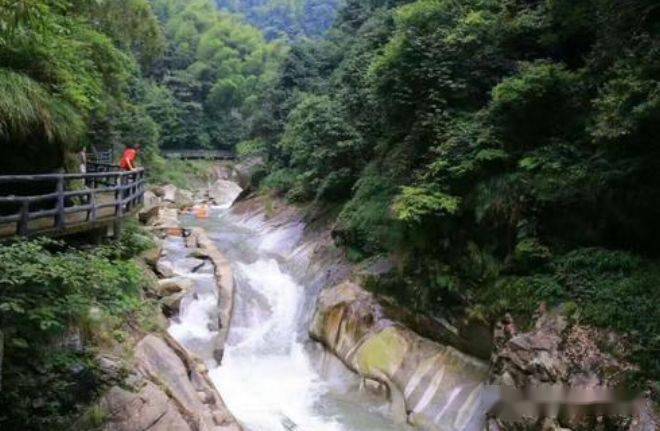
point(437, 386)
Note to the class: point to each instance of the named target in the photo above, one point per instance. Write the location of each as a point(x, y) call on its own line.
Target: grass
point(184, 174)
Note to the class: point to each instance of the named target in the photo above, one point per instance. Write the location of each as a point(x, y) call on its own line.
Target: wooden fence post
point(23, 228)
point(92, 202)
point(120, 197)
point(128, 188)
point(60, 217)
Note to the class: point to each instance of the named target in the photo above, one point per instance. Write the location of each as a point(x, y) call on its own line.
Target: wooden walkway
point(71, 203)
point(199, 154)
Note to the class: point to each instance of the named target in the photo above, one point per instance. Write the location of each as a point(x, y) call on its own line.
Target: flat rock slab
point(148, 409)
point(176, 393)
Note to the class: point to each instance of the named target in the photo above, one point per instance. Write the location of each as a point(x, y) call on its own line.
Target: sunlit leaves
point(413, 204)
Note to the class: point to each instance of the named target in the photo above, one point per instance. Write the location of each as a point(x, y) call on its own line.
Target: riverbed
point(272, 376)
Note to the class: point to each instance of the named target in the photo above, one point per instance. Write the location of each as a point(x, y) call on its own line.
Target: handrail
point(75, 200)
point(51, 177)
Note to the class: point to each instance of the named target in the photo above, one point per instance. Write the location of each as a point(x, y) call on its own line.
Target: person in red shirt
point(129, 158)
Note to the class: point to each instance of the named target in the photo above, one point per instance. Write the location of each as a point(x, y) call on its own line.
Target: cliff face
point(565, 353)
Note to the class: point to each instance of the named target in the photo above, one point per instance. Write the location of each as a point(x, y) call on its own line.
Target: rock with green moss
point(432, 386)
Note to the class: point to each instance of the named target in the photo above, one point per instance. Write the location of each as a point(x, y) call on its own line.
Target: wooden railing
point(199, 154)
point(105, 157)
point(72, 202)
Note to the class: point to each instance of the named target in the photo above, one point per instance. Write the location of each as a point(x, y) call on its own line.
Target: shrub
point(48, 290)
point(365, 222)
point(540, 103)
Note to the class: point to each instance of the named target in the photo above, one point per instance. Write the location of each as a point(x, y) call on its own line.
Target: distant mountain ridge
point(291, 19)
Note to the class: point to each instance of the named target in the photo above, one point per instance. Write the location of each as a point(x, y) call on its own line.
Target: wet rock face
point(224, 192)
point(171, 304)
point(150, 408)
point(247, 171)
point(558, 352)
point(553, 352)
point(171, 286)
point(432, 386)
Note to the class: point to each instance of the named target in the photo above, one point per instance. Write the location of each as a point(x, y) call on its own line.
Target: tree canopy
point(288, 19)
point(482, 145)
point(63, 66)
point(213, 71)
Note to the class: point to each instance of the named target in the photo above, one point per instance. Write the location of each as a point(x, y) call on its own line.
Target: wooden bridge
point(70, 203)
point(199, 154)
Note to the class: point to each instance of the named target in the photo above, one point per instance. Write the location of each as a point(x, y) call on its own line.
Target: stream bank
point(169, 387)
point(434, 384)
point(431, 385)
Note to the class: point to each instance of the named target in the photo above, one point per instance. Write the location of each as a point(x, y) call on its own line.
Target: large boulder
point(557, 351)
point(249, 172)
point(148, 409)
point(171, 195)
point(165, 268)
point(151, 199)
point(171, 304)
point(184, 198)
point(172, 291)
point(432, 386)
point(174, 394)
point(165, 219)
point(150, 206)
point(167, 193)
point(171, 286)
point(151, 256)
point(224, 192)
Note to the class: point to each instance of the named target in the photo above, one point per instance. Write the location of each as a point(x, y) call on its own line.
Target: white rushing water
point(272, 377)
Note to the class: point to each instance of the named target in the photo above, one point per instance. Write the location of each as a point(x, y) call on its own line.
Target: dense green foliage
point(494, 148)
point(501, 152)
point(56, 306)
point(67, 69)
point(162, 73)
point(213, 70)
point(289, 19)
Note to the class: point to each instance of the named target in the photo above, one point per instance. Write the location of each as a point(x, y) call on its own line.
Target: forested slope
point(502, 152)
point(163, 74)
point(289, 19)
point(214, 67)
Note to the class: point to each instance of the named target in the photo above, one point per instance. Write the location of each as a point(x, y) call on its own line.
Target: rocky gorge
point(431, 374)
point(448, 375)
point(168, 386)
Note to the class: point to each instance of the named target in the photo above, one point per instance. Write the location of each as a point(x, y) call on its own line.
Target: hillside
point(500, 153)
point(290, 19)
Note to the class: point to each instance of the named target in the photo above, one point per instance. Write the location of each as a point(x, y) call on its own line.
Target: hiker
point(129, 158)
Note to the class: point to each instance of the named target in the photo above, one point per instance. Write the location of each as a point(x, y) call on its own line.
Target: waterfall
point(272, 376)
